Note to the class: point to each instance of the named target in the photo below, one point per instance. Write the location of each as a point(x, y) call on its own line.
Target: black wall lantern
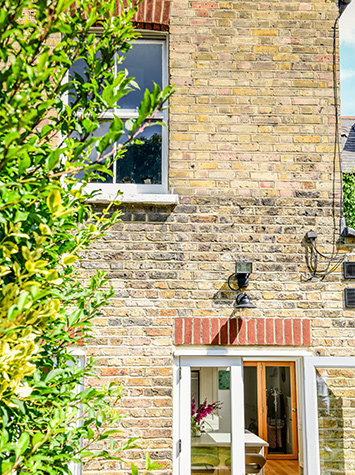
point(342, 5)
point(243, 269)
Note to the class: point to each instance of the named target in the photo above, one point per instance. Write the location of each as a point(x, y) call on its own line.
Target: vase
point(195, 430)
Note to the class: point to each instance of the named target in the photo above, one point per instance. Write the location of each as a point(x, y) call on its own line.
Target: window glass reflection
point(102, 130)
point(251, 399)
point(143, 62)
point(336, 413)
point(142, 162)
point(279, 410)
point(210, 421)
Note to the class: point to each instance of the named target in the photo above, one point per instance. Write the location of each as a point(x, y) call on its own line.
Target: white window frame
point(133, 192)
point(311, 364)
point(79, 355)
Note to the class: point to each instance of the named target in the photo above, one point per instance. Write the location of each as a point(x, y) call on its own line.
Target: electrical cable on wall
point(335, 259)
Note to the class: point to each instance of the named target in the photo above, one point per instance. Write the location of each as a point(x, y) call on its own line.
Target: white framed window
point(226, 430)
point(144, 168)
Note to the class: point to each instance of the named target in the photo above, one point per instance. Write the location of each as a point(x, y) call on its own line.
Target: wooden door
point(271, 406)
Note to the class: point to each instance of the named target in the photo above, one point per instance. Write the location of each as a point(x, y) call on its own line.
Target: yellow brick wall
point(251, 139)
point(254, 85)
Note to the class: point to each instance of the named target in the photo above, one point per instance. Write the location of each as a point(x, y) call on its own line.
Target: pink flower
point(203, 410)
point(193, 407)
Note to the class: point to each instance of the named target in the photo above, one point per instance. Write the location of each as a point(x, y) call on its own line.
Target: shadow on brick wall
point(145, 214)
point(315, 264)
point(140, 213)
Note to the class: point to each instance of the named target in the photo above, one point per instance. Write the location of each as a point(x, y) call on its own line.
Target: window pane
point(211, 422)
point(101, 131)
point(142, 163)
point(251, 399)
point(195, 385)
point(336, 416)
point(279, 409)
point(144, 63)
point(79, 67)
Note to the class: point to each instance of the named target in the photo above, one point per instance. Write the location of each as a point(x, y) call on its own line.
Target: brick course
point(237, 331)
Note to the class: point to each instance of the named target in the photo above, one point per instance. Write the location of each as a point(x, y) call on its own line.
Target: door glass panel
point(336, 416)
point(210, 421)
point(279, 409)
point(251, 399)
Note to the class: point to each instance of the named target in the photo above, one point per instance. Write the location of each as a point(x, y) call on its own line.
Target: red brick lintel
point(151, 14)
point(236, 331)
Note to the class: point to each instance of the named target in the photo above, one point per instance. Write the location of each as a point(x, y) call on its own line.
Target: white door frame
point(312, 459)
point(184, 359)
point(182, 395)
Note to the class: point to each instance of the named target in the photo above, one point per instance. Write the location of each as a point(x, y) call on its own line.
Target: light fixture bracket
point(243, 269)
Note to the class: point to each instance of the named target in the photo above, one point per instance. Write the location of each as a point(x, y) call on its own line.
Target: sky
point(347, 61)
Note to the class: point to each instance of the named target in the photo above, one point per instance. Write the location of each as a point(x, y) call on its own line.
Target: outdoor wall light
point(243, 269)
point(243, 301)
point(342, 5)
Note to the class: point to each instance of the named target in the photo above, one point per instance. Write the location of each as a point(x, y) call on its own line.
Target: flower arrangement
point(199, 413)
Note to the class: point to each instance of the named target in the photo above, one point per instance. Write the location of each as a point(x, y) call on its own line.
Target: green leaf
point(20, 216)
point(22, 300)
point(129, 125)
point(69, 259)
point(10, 137)
point(37, 438)
point(53, 159)
point(54, 201)
point(53, 374)
point(7, 466)
point(134, 469)
point(22, 444)
point(24, 163)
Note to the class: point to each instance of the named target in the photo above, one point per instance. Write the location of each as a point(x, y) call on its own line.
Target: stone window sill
point(142, 198)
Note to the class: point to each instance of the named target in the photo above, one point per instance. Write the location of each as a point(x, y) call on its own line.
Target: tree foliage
point(45, 222)
point(349, 198)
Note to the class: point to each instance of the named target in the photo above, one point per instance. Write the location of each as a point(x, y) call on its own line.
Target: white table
point(252, 440)
point(253, 443)
point(224, 438)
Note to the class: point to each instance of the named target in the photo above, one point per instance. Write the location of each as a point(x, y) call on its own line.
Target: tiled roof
point(348, 143)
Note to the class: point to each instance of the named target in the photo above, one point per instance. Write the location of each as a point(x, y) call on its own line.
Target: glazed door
point(210, 441)
point(330, 414)
point(271, 406)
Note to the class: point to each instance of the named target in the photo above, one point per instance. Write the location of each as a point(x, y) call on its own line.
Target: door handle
point(294, 409)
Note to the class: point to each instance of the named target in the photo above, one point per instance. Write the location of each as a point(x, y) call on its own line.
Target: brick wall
point(251, 157)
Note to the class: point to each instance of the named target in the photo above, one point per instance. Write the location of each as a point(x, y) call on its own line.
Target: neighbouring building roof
point(348, 143)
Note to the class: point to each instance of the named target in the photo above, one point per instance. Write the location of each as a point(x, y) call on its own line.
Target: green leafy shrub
point(349, 199)
point(45, 222)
